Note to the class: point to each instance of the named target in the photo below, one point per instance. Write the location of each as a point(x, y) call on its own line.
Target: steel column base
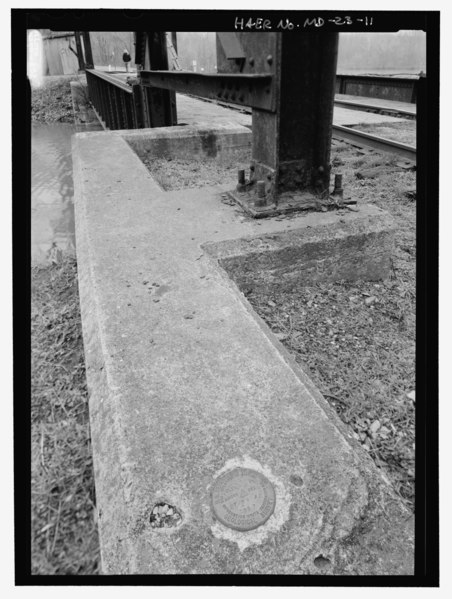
point(287, 203)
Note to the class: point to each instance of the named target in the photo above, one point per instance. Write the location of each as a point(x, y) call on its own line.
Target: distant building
point(378, 53)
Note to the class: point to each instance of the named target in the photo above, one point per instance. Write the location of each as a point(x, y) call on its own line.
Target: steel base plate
point(287, 203)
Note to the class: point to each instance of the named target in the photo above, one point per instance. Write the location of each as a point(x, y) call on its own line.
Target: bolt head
point(260, 189)
point(251, 61)
point(269, 59)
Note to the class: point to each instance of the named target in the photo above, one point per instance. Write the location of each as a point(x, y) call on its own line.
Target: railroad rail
point(349, 104)
point(361, 139)
point(375, 108)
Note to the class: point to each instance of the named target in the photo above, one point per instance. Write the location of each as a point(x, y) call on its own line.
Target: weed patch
point(52, 101)
point(64, 527)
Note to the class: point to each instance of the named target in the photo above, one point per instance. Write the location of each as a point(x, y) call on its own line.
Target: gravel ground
point(356, 340)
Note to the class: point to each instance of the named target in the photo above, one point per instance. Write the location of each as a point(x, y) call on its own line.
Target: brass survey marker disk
point(243, 499)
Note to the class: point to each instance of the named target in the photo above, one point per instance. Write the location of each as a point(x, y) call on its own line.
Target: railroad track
point(361, 139)
point(349, 104)
point(349, 135)
point(364, 107)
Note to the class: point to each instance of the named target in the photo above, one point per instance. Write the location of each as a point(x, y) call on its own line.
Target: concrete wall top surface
point(187, 383)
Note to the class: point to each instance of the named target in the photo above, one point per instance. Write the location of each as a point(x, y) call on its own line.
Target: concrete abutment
point(186, 382)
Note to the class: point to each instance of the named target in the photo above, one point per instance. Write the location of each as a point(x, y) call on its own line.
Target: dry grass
point(64, 529)
point(357, 340)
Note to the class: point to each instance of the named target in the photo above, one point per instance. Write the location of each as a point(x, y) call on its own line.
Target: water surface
point(52, 188)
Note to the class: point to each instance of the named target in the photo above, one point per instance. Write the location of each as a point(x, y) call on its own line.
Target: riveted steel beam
point(247, 90)
point(78, 44)
point(161, 102)
point(89, 61)
point(140, 47)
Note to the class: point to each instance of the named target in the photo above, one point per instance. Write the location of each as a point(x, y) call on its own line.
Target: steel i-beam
point(89, 61)
point(78, 45)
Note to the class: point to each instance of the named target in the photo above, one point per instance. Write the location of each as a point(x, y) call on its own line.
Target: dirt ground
point(356, 340)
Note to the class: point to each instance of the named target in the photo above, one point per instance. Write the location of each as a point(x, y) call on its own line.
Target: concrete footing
point(324, 247)
point(188, 142)
point(186, 382)
point(83, 111)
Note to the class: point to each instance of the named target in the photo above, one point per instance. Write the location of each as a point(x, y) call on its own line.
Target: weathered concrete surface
point(187, 382)
point(83, 111)
point(188, 142)
point(323, 248)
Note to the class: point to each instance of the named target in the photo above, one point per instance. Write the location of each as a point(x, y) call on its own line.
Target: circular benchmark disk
point(243, 499)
